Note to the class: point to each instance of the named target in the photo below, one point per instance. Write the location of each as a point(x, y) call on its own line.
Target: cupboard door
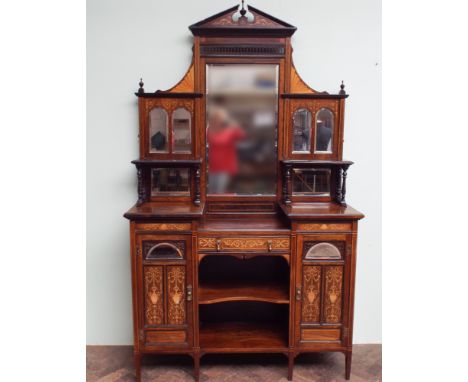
point(320, 288)
point(165, 290)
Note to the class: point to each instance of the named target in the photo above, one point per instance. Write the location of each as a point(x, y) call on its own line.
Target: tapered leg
point(290, 366)
point(348, 357)
point(196, 365)
point(137, 361)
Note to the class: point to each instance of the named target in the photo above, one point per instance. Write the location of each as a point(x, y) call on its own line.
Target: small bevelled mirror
point(181, 131)
point(323, 251)
point(158, 130)
point(302, 123)
point(324, 125)
point(170, 181)
point(164, 250)
point(311, 181)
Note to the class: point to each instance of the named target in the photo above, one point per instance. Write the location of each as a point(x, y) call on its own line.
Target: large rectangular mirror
point(241, 134)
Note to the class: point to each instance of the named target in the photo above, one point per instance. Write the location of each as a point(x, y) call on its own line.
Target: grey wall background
point(336, 39)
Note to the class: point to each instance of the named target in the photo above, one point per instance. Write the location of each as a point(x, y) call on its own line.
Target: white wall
point(336, 40)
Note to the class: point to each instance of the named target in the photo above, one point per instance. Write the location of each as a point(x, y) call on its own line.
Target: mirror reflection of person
point(223, 134)
point(324, 134)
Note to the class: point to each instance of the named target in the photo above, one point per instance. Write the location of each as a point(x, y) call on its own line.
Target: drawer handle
point(270, 245)
point(218, 245)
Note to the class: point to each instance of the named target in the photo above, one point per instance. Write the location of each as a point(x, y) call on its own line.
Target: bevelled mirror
point(311, 181)
point(181, 131)
point(241, 133)
point(173, 181)
point(324, 126)
point(302, 126)
point(158, 130)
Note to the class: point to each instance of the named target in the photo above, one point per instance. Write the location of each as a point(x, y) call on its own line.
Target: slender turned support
point(343, 185)
point(287, 185)
point(348, 357)
point(196, 366)
point(290, 365)
point(197, 201)
point(338, 185)
point(141, 187)
point(137, 361)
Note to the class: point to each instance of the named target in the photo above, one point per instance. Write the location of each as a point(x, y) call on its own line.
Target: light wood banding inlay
point(324, 227)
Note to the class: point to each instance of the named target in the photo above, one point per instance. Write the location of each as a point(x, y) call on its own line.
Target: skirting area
point(115, 363)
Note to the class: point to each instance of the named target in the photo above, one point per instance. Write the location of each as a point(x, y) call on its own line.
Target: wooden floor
point(114, 363)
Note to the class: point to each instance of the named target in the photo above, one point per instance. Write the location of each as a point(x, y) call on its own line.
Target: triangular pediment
point(231, 22)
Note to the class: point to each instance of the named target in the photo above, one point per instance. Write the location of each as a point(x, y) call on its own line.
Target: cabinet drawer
point(320, 335)
point(166, 337)
point(244, 244)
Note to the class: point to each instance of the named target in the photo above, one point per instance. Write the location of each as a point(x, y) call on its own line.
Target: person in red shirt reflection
point(223, 134)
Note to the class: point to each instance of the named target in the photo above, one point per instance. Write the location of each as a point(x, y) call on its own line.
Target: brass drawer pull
point(270, 245)
point(218, 245)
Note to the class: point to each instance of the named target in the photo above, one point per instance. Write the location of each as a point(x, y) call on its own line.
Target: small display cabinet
point(241, 238)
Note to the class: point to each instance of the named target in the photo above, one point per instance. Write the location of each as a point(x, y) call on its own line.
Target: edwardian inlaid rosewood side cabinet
point(241, 240)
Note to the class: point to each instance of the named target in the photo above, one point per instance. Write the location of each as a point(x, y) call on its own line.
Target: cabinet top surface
point(295, 211)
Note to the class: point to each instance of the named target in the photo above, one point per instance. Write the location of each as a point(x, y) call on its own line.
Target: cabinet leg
point(348, 358)
point(196, 365)
point(290, 366)
point(137, 362)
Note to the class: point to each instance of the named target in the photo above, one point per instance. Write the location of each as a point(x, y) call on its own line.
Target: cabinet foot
point(196, 367)
point(348, 358)
point(290, 366)
point(137, 362)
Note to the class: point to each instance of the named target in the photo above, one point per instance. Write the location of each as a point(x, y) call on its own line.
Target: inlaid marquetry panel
point(244, 243)
point(324, 227)
point(311, 280)
point(164, 226)
point(154, 292)
point(175, 295)
point(333, 279)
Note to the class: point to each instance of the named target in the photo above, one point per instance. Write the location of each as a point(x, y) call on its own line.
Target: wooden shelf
point(243, 337)
point(211, 292)
point(221, 291)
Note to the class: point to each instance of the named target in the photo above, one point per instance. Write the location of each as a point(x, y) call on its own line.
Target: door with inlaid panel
point(164, 290)
point(322, 279)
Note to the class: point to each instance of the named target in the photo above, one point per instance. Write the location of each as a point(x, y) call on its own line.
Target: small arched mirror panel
point(164, 251)
point(158, 131)
point(324, 130)
point(302, 126)
point(181, 131)
point(323, 251)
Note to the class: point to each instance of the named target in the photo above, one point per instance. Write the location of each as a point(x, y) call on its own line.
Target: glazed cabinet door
point(164, 290)
point(322, 276)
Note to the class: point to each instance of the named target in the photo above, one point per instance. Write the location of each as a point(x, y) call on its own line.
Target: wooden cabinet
point(322, 285)
point(164, 290)
point(241, 238)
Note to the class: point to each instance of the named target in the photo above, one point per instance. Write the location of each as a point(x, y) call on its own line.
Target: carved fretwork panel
point(333, 284)
point(154, 295)
point(175, 295)
point(311, 280)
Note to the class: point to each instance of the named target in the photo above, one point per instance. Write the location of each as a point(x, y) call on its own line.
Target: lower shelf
point(243, 337)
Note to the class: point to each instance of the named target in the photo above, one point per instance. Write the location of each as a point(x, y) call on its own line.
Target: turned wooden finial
point(243, 11)
point(342, 86)
point(140, 89)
